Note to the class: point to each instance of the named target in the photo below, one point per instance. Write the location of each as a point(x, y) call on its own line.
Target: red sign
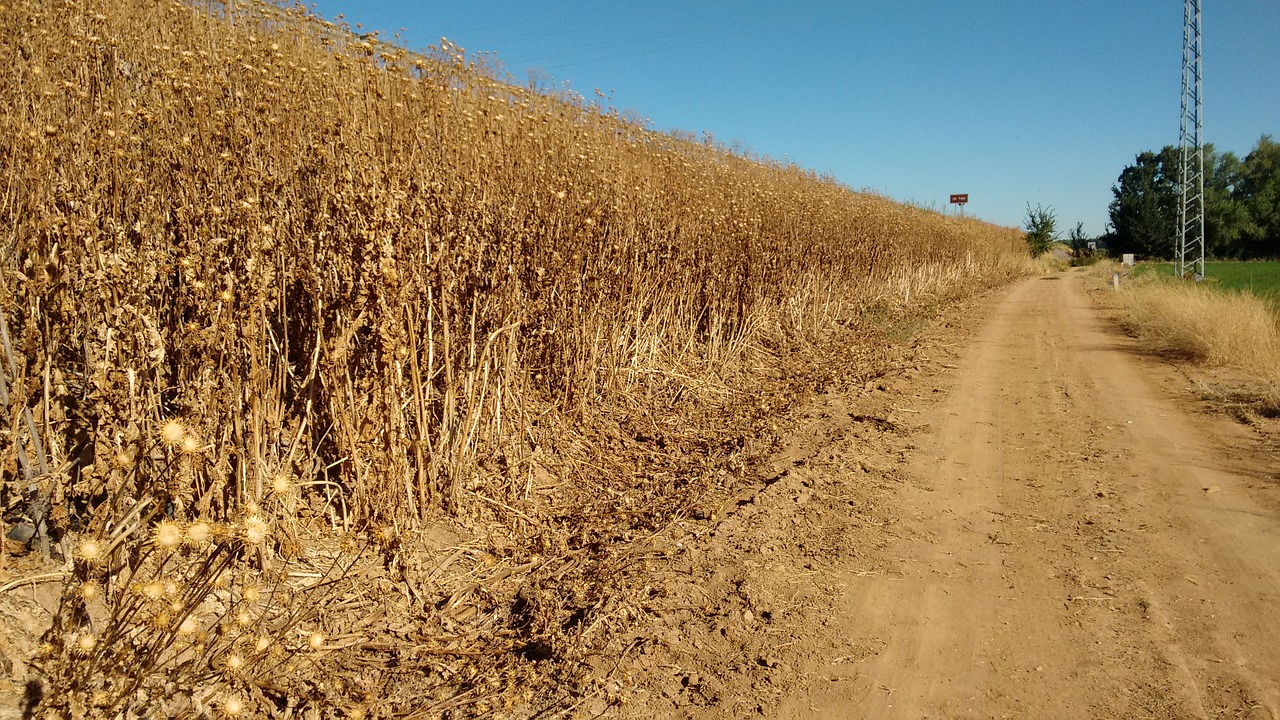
point(960, 199)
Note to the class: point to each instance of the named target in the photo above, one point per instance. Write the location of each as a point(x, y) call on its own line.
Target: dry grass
point(1048, 263)
point(1237, 331)
point(1056, 259)
point(379, 290)
point(1205, 324)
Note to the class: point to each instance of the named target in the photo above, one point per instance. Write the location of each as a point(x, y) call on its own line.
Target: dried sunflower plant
point(281, 294)
point(166, 616)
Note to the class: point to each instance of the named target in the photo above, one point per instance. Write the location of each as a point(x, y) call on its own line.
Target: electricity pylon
point(1190, 136)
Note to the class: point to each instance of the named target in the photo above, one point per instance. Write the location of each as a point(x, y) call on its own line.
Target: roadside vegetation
point(1048, 255)
point(1220, 326)
point(1228, 321)
point(1041, 225)
point(344, 381)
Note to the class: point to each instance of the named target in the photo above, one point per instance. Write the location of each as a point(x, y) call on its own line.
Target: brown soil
point(1036, 520)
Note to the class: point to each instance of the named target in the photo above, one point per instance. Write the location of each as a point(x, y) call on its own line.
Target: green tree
point(1144, 211)
point(1257, 189)
point(1241, 204)
point(1225, 217)
point(1041, 224)
point(1079, 240)
point(1081, 252)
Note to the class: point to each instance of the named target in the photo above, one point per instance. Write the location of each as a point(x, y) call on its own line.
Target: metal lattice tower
point(1191, 208)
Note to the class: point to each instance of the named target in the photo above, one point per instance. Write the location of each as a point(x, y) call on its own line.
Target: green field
point(1262, 278)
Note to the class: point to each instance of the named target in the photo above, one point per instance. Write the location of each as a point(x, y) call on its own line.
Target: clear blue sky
point(1012, 102)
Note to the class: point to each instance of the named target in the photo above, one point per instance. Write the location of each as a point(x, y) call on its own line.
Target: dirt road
point(1077, 540)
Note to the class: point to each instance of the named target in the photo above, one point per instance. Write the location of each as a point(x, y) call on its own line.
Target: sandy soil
point(1033, 519)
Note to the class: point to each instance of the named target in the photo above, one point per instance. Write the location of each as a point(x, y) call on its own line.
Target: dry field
point(347, 382)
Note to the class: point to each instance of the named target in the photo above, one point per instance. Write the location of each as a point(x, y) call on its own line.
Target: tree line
point(1242, 204)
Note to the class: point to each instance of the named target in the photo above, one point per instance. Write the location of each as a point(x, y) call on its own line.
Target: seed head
point(281, 484)
point(123, 460)
point(255, 529)
point(315, 641)
point(172, 432)
point(188, 626)
point(198, 532)
point(233, 706)
point(262, 643)
point(86, 642)
point(90, 550)
point(190, 445)
point(153, 590)
point(90, 590)
point(168, 534)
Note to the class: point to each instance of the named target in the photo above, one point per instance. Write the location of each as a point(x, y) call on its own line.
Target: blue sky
point(1012, 102)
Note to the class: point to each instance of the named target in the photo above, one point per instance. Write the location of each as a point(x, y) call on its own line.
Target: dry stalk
point(281, 283)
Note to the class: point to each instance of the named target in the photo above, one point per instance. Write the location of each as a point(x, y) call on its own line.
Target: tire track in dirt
point(1076, 541)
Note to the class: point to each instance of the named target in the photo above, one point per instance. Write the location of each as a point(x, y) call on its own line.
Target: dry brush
point(264, 276)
